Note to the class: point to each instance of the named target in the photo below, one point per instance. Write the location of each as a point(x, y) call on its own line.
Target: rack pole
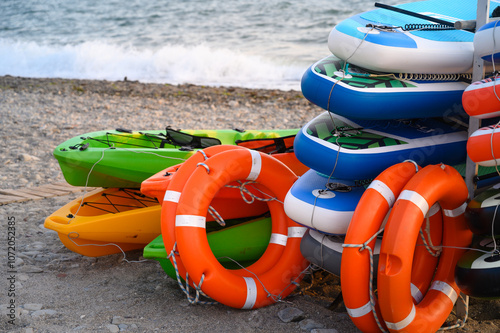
point(483, 10)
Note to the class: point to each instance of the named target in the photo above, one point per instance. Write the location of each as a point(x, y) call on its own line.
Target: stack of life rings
point(482, 100)
point(478, 271)
point(416, 290)
point(224, 182)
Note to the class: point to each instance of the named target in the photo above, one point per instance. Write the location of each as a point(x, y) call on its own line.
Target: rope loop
point(433, 250)
point(203, 153)
point(217, 217)
point(244, 191)
point(414, 163)
point(203, 165)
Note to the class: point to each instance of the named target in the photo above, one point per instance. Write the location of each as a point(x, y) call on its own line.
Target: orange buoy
point(284, 263)
point(356, 266)
point(483, 146)
point(434, 183)
point(481, 99)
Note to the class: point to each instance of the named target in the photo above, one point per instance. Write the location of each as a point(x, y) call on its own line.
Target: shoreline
point(82, 294)
point(141, 89)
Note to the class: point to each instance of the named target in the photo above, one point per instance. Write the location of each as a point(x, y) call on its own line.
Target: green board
point(237, 246)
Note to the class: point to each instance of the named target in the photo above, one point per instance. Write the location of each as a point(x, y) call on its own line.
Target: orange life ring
point(227, 205)
point(483, 146)
point(480, 99)
point(282, 257)
point(434, 183)
point(367, 220)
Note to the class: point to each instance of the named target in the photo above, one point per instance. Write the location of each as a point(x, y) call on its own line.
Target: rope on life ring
point(173, 193)
point(434, 183)
point(357, 258)
point(282, 257)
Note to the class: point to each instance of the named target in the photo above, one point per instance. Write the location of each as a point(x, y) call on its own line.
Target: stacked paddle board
point(392, 90)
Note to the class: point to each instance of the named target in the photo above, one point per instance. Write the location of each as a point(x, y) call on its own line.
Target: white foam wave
point(174, 64)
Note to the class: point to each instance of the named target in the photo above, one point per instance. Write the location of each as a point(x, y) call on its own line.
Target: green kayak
point(123, 158)
point(234, 247)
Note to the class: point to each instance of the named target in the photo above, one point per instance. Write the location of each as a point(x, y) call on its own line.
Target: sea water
point(246, 43)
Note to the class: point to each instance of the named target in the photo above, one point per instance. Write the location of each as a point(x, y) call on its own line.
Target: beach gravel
point(56, 290)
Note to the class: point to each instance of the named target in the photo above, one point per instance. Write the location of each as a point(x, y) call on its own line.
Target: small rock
point(43, 313)
point(255, 319)
point(50, 233)
point(33, 306)
point(26, 157)
point(23, 277)
point(37, 246)
point(291, 315)
point(18, 262)
point(113, 328)
point(324, 330)
point(29, 330)
point(309, 325)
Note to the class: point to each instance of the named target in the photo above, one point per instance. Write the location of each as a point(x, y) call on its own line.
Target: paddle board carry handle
point(466, 25)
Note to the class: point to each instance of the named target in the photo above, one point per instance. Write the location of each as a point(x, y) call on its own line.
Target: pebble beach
point(56, 290)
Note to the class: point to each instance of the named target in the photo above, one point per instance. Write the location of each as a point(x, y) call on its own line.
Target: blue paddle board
point(357, 93)
point(389, 41)
point(358, 150)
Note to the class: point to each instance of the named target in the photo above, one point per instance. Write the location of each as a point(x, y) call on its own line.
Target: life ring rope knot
point(198, 292)
point(244, 191)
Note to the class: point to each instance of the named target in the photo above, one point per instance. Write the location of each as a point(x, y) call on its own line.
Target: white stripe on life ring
point(296, 232)
point(251, 293)
point(446, 289)
point(172, 196)
point(279, 239)
point(455, 212)
point(416, 293)
point(403, 323)
point(359, 312)
point(190, 221)
point(384, 190)
point(416, 198)
point(436, 208)
point(256, 165)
